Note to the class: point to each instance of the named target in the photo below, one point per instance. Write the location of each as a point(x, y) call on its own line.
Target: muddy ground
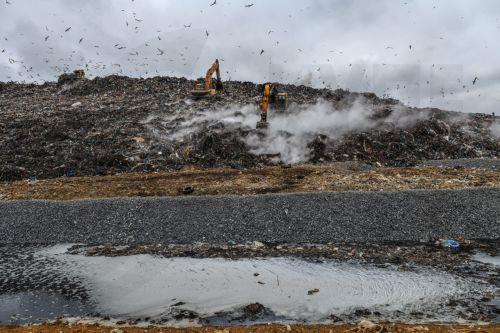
point(273, 179)
point(420, 253)
point(119, 124)
point(362, 327)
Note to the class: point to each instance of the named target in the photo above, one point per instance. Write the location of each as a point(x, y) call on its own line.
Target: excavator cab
point(209, 86)
point(281, 102)
point(199, 86)
point(79, 74)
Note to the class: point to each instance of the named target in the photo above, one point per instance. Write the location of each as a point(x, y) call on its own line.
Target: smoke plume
point(288, 133)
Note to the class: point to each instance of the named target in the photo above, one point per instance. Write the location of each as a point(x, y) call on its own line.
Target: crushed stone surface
point(286, 218)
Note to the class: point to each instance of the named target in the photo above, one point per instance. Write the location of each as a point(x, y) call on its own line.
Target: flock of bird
point(67, 64)
point(29, 72)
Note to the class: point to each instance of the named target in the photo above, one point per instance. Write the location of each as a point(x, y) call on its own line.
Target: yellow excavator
point(208, 88)
point(273, 99)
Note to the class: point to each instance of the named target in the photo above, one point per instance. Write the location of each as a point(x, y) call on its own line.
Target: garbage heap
point(103, 126)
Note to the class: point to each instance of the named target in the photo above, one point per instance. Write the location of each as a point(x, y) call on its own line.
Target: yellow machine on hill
point(208, 87)
point(273, 99)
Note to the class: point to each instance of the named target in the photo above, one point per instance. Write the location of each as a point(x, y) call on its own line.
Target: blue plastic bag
point(450, 243)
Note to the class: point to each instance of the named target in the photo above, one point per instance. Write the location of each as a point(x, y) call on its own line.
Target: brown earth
point(274, 179)
point(400, 328)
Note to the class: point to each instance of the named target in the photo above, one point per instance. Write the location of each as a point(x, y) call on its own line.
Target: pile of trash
point(83, 127)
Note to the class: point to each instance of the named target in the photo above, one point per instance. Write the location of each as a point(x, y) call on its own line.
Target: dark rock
point(253, 309)
point(188, 190)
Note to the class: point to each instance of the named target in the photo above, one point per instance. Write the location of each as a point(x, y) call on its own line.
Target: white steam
point(289, 132)
point(495, 129)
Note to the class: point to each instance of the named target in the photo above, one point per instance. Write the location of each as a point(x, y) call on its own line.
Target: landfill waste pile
point(104, 126)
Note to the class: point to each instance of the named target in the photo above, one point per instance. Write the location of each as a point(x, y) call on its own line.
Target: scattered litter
point(366, 326)
point(258, 245)
point(450, 243)
point(313, 291)
point(116, 330)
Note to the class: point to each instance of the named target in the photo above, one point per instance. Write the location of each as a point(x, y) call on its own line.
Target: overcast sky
point(423, 52)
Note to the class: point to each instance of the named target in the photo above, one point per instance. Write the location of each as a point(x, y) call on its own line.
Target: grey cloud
point(358, 44)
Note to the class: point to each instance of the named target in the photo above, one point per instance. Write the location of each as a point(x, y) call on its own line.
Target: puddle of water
point(48, 283)
point(38, 306)
point(144, 285)
point(487, 259)
point(495, 262)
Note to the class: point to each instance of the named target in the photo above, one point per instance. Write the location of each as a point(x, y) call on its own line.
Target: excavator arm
point(264, 106)
point(206, 88)
point(210, 72)
point(266, 95)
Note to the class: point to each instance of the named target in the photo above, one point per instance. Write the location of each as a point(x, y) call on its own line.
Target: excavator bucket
point(219, 87)
point(262, 125)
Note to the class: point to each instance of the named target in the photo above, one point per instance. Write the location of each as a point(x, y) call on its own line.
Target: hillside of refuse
point(119, 124)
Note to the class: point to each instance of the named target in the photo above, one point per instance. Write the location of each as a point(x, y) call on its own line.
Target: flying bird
point(262, 51)
point(47, 37)
point(250, 5)
point(188, 26)
point(213, 3)
point(206, 32)
point(270, 31)
point(474, 81)
point(81, 40)
point(68, 29)
point(161, 51)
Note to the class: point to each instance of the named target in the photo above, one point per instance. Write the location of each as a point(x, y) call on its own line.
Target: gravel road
point(301, 218)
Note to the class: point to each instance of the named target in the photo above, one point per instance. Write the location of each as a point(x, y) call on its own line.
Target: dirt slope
point(301, 178)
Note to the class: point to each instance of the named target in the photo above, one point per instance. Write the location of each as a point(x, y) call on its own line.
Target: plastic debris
point(450, 243)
